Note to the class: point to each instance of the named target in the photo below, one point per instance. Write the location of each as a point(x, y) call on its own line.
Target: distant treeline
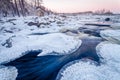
point(98, 12)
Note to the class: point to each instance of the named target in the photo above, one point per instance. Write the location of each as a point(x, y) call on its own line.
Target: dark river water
point(33, 67)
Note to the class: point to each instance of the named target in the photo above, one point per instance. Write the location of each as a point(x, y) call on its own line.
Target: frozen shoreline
point(65, 36)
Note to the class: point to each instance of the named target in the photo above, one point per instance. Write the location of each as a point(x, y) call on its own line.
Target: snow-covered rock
point(8, 73)
point(81, 70)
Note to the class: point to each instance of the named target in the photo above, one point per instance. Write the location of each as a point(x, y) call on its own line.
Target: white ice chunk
point(8, 73)
point(111, 54)
point(80, 70)
point(56, 42)
point(111, 35)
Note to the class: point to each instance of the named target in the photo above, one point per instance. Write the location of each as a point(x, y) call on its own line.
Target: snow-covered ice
point(109, 69)
point(16, 38)
point(56, 42)
point(8, 73)
point(111, 35)
point(110, 52)
point(87, 70)
point(115, 25)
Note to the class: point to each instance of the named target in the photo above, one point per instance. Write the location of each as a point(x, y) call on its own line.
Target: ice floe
point(110, 52)
point(56, 42)
point(87, 70)
point(8, 73)
point(111, 35)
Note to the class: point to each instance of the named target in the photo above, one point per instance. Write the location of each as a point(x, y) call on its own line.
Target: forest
point(22, 8)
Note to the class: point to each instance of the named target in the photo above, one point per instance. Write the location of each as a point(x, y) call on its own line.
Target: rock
point(32, 23)
point(10, 20)
point(107, 19)
point(59, 22)
point(44, 23)
point(8, 31)
point(8, 43)
point(37, 24)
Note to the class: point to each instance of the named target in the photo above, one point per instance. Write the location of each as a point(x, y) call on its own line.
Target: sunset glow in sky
point(82, 5)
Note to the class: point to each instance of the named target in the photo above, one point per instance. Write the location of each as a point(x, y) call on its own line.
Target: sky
point(71, 6)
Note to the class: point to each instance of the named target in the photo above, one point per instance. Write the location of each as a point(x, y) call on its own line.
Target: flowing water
point(33, 67)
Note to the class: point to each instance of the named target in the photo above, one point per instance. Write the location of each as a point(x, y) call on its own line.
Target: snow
point(115, 25)
point(111, 54)
point(20, 40)
point(48, 43)
point(8, 73)
point(109, 69)
point(109, 51)
point(87, 70)
point(111, 35)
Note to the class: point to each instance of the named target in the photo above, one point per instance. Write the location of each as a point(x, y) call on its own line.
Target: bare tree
point(4, 7)
point(16, 8)
point(20, 7)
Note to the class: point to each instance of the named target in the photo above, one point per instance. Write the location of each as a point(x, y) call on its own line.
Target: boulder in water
point(107, 19)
